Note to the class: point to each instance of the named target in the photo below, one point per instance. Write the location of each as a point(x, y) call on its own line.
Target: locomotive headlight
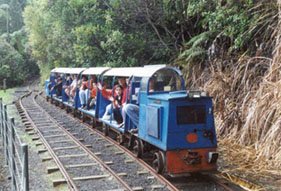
point(203, 94)
point(194, 94)
point(213, 157)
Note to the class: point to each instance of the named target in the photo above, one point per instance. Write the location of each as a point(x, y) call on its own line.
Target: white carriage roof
point(68, 70)
point(148, 71)
point(75, 70)
point(59, 70)
point(95, 71)
point(122, 72)
point(156, 65)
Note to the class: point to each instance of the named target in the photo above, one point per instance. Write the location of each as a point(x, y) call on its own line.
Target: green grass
point(7, 97)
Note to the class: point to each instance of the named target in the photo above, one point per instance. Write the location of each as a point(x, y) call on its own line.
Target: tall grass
point(247, 99)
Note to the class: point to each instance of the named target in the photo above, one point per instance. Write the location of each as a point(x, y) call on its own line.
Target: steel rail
point(159, 177)
point(86, 150)
point(68, 179)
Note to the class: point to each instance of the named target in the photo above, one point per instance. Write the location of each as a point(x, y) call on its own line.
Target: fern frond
point(199, 39)
point(193, 53)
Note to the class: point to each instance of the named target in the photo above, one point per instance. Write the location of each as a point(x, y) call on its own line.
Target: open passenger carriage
point(59, 78)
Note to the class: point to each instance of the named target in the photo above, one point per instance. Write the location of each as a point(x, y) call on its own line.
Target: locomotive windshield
point(191, 115)
point(164, 80)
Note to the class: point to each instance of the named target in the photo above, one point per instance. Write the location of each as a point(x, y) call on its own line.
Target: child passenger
point(116, 105)
point(93, 96)
point(83, 92)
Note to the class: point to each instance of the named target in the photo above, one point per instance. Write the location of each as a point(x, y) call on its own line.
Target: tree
point(16, 63)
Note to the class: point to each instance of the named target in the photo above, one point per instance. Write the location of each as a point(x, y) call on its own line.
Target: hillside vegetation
point(16, 64)
point(228, 48)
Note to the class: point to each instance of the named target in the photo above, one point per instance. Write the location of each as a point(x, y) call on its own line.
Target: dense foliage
point(16, 64)
point(129, 33)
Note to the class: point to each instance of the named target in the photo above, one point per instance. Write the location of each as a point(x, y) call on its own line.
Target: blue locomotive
point(174, 124)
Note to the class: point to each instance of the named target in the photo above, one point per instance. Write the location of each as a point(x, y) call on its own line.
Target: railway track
point(83, 167)
point(63, 135)
point(78, 165)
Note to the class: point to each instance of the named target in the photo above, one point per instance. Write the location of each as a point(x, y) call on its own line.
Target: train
point(175, 125)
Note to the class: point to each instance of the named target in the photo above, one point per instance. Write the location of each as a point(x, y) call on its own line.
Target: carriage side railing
point(15, 151)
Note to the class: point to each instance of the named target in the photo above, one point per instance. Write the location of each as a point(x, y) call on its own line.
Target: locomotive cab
point(177, 123)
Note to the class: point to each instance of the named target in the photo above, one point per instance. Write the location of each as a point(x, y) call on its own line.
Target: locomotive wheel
point(105, 130)
point(158, 162)
point(138, 148)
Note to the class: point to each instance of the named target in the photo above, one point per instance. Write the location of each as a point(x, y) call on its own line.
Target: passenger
point(123, 84)
point(108, 110)
point(73, 86)
point(117, 104)
point(68, 80)
point(66, 87)
point(83, 95)
point(58, 87)
point(92, 81)
point(132, 110)
point(108, 95)
point(93, 96)
point(91, 91)
point(104, 91)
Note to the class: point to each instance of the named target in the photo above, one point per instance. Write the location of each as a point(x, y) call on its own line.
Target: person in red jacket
point(108, 95)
